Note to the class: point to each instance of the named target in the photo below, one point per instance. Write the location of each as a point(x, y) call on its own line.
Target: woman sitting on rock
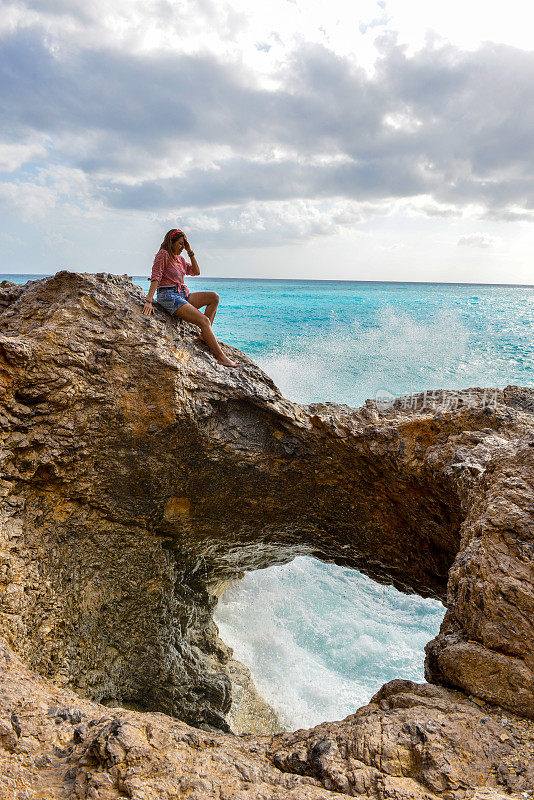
point(173, 295)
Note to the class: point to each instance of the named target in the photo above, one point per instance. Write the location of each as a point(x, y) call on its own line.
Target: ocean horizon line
point(31, 275)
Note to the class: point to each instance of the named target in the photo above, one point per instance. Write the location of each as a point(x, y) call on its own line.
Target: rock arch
point(136, 473)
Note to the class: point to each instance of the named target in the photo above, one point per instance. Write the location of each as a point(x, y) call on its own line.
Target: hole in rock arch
point(320, 639)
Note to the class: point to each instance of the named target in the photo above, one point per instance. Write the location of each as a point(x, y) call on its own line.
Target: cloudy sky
point(349, 139)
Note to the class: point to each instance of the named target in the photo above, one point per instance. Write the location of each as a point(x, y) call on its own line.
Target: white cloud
point(274, 223)
point(15, 154)
point(466, 25)
point(39, 195)
point(261, 124)
point(29, 201)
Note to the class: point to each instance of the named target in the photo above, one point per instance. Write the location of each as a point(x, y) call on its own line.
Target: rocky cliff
point(137, 474)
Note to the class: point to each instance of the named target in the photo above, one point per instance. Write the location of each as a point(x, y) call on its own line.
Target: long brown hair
point(167, 242)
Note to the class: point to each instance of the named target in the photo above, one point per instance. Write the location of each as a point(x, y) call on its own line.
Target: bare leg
point(208, 299)
point(192, 314)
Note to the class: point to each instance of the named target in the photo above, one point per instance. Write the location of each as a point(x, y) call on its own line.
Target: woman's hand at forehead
point(183, 244)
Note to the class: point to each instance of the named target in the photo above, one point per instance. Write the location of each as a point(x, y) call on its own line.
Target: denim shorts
point(170, 298)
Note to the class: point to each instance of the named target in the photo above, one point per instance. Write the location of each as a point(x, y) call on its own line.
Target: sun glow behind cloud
point(305, 125)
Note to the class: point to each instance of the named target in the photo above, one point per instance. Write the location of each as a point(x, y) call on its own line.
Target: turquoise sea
point(344, 341)
point(330, 636)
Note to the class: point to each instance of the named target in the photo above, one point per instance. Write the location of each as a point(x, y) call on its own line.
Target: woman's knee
point(214, 297)
point(204, 323)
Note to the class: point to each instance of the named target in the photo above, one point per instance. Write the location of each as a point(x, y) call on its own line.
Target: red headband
point(175, 231)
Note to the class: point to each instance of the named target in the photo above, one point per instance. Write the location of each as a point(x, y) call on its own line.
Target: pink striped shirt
point(169, 271)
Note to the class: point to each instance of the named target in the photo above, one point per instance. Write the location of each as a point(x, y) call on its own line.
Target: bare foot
point(227, 363)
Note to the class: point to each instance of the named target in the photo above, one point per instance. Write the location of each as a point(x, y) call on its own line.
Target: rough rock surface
point(413, 742)
point(136, 474)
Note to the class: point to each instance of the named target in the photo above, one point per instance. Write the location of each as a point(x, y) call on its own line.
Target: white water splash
point(351, 362)
point(320, 640)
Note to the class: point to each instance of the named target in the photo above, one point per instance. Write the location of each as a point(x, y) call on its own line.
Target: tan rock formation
point(417, 742)
point(136, 473)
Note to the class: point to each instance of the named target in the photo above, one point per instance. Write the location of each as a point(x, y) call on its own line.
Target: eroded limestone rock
point(136, 473)
point(412, 741)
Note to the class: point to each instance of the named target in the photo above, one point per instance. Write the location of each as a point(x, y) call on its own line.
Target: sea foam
point(350, 361)
point(320, 639)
